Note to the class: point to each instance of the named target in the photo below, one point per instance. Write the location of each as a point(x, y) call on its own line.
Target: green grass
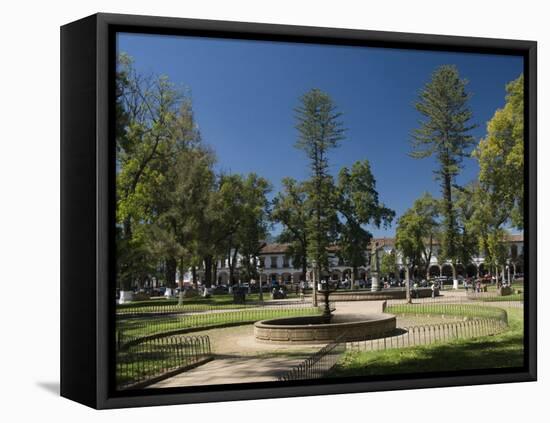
point(215, 302)
point(487, 352)
point(140, 327)
point(498, 298)
point(515, 286)
point(464, 310)
point(149, 359)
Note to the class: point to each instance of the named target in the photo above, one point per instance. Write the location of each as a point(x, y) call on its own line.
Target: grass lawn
point(512, 297)
point(431, 309)
point(515, 286)
point(498, 351)
point(215, 302)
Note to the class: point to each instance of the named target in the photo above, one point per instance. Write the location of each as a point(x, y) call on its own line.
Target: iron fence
point(144, 363)
point(147, 309)
point(317, 364)
point(429, 334)
point(455, 309)
point(132, 330)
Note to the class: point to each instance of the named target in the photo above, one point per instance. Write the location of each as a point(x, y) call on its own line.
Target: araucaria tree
point(319, 130)
point(444, 132)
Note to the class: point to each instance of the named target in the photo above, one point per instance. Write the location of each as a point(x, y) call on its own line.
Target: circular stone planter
point(312, 330)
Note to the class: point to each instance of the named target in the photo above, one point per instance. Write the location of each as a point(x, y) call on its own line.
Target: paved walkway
point(239, 358)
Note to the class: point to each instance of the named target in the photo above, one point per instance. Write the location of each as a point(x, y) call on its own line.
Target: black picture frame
point(87, 211)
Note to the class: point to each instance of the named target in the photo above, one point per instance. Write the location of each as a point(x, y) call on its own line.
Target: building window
point(286, 262)
point(274, 262)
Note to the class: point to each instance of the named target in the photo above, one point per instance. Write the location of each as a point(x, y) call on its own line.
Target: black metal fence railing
point(134, 329)
point(148, 309)
point(462, 310)
point(489, 299)
point(429, 334)
point(317, 364)
point(145, 363)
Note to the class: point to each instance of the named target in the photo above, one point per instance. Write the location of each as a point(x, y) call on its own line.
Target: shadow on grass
point(500, 352)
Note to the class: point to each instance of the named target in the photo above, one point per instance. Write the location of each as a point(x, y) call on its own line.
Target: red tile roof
point(281, 248)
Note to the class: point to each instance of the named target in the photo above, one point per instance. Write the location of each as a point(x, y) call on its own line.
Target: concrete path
point(233, 369)
point(239, 358)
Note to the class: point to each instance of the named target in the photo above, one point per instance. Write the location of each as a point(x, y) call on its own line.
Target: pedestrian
point(433, 290)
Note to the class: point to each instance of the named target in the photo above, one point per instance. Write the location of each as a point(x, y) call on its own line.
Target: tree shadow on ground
point(471, 355)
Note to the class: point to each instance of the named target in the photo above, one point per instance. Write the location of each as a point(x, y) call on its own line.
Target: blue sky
point(244, 94)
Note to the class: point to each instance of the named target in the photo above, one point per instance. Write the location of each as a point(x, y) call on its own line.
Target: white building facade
point(277, 266)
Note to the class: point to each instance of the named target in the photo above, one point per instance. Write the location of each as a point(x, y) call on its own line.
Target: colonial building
point(276, 265)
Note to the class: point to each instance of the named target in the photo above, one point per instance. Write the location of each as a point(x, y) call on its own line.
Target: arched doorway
point(434, 271)
point(297, 277)
point(447, 270)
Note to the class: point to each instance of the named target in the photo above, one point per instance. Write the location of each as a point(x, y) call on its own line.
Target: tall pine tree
point(320, 130)
point(444, 132)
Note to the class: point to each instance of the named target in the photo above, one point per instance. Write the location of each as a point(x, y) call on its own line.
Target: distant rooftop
point(281, 248)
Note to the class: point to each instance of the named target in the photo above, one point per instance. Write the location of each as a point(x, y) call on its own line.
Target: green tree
point(148, 109)
point(290, 210)
point(444, 132)
point(359, 205)
point(465, 206)
point(500, 156)
point(253, 223)
point(499, 195)
point(319, 130)
point(427, 208)
point(409, 240)
point(388, 265)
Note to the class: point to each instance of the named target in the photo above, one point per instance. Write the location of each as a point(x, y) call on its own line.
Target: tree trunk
point(194, 275)
point(455, 280)
point(407, 284)
point(180, 300)
point(215, 272)
point(314, 277)
point(232, 260)
point(353, 273)
point(208, 271)
point(170, 272)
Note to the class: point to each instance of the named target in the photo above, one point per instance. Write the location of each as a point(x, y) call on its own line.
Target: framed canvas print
point(259, 211)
